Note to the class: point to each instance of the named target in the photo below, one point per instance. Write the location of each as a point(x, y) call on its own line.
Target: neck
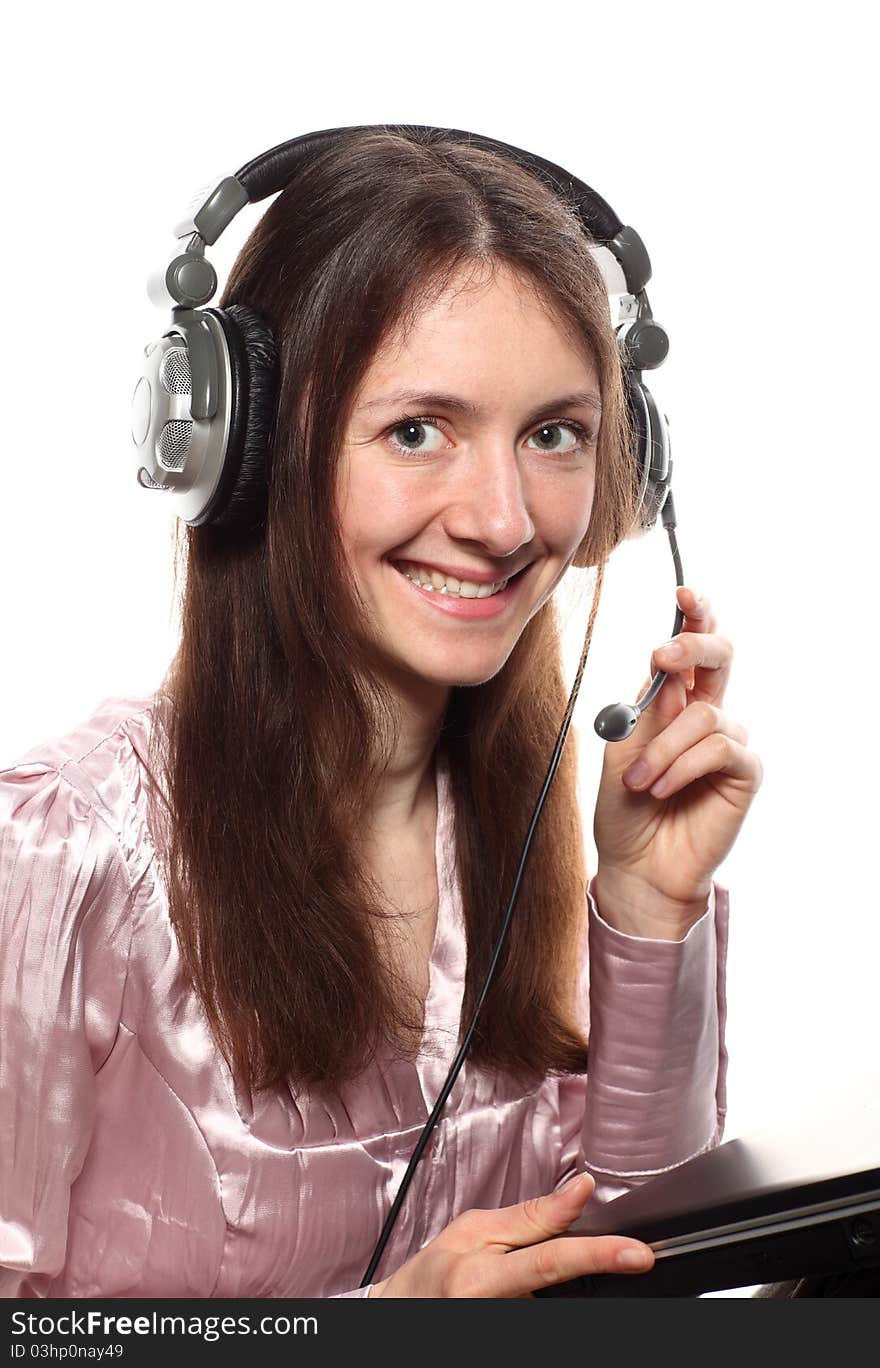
point(407, 786)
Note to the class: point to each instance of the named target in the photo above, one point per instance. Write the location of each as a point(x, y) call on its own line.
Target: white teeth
point(434, 581)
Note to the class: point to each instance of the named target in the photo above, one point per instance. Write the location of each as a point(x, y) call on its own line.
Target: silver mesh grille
point(175, 373)
point(145, 479)
point(174, 443)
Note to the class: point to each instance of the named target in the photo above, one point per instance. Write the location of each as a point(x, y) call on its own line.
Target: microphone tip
point(616, 722)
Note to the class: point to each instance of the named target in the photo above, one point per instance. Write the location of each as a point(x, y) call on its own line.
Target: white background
point(740, 144)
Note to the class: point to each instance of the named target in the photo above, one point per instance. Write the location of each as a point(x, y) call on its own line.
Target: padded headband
point(271, 171)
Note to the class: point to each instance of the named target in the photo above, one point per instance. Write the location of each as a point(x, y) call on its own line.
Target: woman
point(245, 917)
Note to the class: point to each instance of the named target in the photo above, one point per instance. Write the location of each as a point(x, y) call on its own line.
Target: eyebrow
point(425, 401)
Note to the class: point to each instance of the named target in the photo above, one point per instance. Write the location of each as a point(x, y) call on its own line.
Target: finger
point(709, 655)
point(709, 651)
point(555, 1261)
point(528, 1222)
point(682, 683)
point(671, 699)
point(717, 754)
point(699, 615)
point(698, 721)
point(668, 703)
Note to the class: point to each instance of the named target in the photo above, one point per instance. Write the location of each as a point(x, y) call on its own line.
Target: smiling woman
point(485, 521)
point(250, 918)
point(420, 267)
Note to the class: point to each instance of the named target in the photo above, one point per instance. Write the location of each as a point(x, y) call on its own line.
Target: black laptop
point(760, 1209)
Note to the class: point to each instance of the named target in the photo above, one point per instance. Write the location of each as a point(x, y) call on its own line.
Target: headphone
point(206, 399)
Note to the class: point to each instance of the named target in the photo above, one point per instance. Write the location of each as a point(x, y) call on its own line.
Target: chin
point(458, 676)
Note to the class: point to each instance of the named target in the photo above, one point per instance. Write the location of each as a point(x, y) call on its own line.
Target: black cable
point(669, 522)
point(463, 1049)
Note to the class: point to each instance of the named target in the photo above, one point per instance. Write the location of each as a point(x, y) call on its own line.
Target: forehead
point(486, 315)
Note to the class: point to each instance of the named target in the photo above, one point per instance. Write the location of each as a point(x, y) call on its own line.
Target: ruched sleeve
point(655, 1092)
point(65, 935)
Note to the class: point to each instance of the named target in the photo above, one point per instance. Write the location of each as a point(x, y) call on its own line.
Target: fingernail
point(636, 774)
point(633, 1258)
point(670, 650)
point(581, 1183)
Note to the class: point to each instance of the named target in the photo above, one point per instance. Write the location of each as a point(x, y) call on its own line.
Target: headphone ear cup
point(651, 451)
point(242, 491)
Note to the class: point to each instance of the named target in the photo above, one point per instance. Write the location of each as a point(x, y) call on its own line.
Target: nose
point(488, 503)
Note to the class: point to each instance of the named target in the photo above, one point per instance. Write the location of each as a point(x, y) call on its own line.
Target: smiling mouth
point(434, 581)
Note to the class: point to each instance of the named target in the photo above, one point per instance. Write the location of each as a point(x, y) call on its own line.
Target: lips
point(457, 606)
point(459, 572)
point(435, 581)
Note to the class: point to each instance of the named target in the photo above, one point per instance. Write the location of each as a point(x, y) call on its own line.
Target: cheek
point(567, 515)
point(586, 507)
point(377, 513)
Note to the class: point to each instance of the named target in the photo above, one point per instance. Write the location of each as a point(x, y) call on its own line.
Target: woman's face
point(442, 498)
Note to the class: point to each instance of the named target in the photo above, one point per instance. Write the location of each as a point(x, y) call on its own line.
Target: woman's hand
point(511, 1251)
point(658, 849)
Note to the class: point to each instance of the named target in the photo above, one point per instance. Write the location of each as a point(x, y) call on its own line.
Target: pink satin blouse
point(131, 1165)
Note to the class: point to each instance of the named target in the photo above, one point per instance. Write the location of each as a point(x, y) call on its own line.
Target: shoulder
point(91, 748)
point(71, 853)
point(96, 767)
point(73, 834)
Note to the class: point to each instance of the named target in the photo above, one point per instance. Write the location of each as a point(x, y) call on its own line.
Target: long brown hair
point(259, 724)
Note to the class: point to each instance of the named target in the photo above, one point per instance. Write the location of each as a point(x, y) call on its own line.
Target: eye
point(410, 428)
point(583, 438)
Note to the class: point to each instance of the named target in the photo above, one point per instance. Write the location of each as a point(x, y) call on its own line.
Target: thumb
point(576, 1189)
point(538, 1218)
point(564, 1204)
